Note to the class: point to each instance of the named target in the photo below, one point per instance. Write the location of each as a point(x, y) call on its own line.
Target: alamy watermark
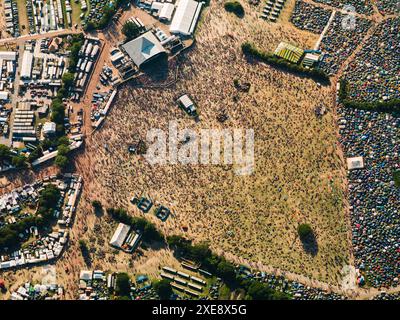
point(206, 147)
point(349, 20)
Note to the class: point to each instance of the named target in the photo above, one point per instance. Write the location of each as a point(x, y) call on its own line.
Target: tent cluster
point(360, 6)
point(374, 198)
point(374, 75)
point(341, 40)
point(308, 17)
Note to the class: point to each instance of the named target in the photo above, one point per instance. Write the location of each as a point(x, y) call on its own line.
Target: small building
point(185, 19)
point(86, 275)
point(289, 52)
point(144, 49)
point(3, 95)
point(49, 128)
point(165, 14)
point(310, 59)
point(355, 163)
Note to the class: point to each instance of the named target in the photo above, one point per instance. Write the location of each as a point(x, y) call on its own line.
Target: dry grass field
point(298, 177)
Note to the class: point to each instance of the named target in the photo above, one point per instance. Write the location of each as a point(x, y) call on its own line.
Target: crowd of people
point(388, 6)
point(373, 197)
point(308, 17)
point(360, 6)
point(375, 72)
point(341, 39)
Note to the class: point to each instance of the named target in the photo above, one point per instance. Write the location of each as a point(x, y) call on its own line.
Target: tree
point(96, 204)
point(68, 79)
point(90, 26)
point(131, 30)
point(49, 196)
point(61, 161)
point(226, 271)
point(5, 153)
point(123, 284)
point(18, 161)
point(63, 150)
point(258, 291)
point(150, 233)
point(85, 252)
point(63, 140)
point(304, 230)
point(163, 289)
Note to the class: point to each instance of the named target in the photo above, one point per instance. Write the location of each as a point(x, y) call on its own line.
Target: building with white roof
point(8, 55)
point(185, 18)
point(165, 14)
point(3, 95)
point(355, 163)
point(49, 128)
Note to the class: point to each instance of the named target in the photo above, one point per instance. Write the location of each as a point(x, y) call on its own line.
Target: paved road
point(54, 33)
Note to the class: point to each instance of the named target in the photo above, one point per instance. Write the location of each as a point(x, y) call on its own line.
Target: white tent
point(120, 235)
point(8, 55)
point(166, 12)
point(185, 18)
point(355, 163)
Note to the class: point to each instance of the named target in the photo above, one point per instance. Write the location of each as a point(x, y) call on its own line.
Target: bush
point(316, 74)
point(234, 7)
point(163, 289)
point(85, 252)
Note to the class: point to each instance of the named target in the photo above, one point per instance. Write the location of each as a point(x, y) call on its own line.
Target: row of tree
point(317, 74)
point(222, 268)
point(380, 106)
point(149, 231)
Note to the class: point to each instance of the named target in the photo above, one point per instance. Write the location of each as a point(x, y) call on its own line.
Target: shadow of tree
point(310, 244)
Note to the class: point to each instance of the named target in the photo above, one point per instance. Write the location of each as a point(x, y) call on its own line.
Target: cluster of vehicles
point(11, 17)
point(4, 116)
